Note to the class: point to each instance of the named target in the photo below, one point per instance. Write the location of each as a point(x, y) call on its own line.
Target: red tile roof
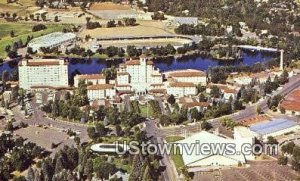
point(187, 74)
point(137, 62)
point(100, 87)
point(91, 76)
point(182, 84)
point(46, 63)
point(255, 120)
point(292, 101)
point(132, 62)
point(196, 104)
point(157, 91)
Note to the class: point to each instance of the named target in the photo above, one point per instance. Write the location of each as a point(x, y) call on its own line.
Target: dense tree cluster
point(70, 107)
point(15, 154)
point(39, 27)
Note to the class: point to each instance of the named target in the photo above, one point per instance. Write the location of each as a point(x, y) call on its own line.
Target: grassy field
point(146, 112)
point(20, 7)
point(176, 157)
point(171, 139)
point(109, 6)
point(21, 32)
point(145, 28)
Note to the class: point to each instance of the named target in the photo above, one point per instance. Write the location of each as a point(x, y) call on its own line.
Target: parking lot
point(258, 170)
point(45, 136)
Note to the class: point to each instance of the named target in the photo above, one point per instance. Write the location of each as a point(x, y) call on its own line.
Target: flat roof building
point(51, 40)
point(93, 78)
point(43, 72)
point(204, 155)
point(274, 128)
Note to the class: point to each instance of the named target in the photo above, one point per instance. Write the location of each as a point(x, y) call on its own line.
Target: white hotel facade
point(43, 72)
point(138, 76)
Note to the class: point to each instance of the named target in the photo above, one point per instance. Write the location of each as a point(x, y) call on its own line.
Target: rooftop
point(43, 62)
point(192, 102)
point(272, 126)
point(182, 84)
point(157, 91)
point(201, 138)
point(255, 120)
point(100, 87)
point(188, 74)
point(292, 101)
point(52, 39)
point(90, 76)
point(243, 132)
point(137, 62)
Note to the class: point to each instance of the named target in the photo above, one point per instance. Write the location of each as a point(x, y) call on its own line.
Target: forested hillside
point(275, 15)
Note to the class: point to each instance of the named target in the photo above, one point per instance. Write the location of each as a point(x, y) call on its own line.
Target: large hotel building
point(43, 72)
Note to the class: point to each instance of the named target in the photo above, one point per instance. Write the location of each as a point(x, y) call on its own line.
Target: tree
point(271, 140)
point(77, 140)
point(38, 27)
point(282, 110)
point(88, 169)
point(205, 125)
point(215, 92)
point(9, 126)
point(91, 132)
point(130, 21)
point(284, 77)
point(99, 165)
point(119, 130)
point(195, 114)
point(171, 99)
point(288, 148)
point(12, 33)
point(111, 24)
point(132, 51)
point(282, 160)
point(14, 16)
point(258, 110)
point(100, 129)
point(56, 19)
point(111, 51)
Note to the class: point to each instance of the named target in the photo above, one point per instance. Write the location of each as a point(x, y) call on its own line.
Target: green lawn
point(112, 139)
point(144, 111)
point(171, 139)
point(120, 164)
point(21, 32)
point(176, 157)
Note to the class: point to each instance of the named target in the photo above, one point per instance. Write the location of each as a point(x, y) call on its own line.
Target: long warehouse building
point(51, 40)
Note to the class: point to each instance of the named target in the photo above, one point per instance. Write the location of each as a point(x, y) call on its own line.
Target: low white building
point(192, 76)
point(181, 89)
point(191, 102)
point(274, 128)
point(206, 155)
point(93, 78)
point(43, 72)
point(185, 20)
point(101, 91)
point(226, 91)
point(51, 40)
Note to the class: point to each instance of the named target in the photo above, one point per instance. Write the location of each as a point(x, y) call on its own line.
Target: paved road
point(249, 112)
point(39, 119)
point(152, 131)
